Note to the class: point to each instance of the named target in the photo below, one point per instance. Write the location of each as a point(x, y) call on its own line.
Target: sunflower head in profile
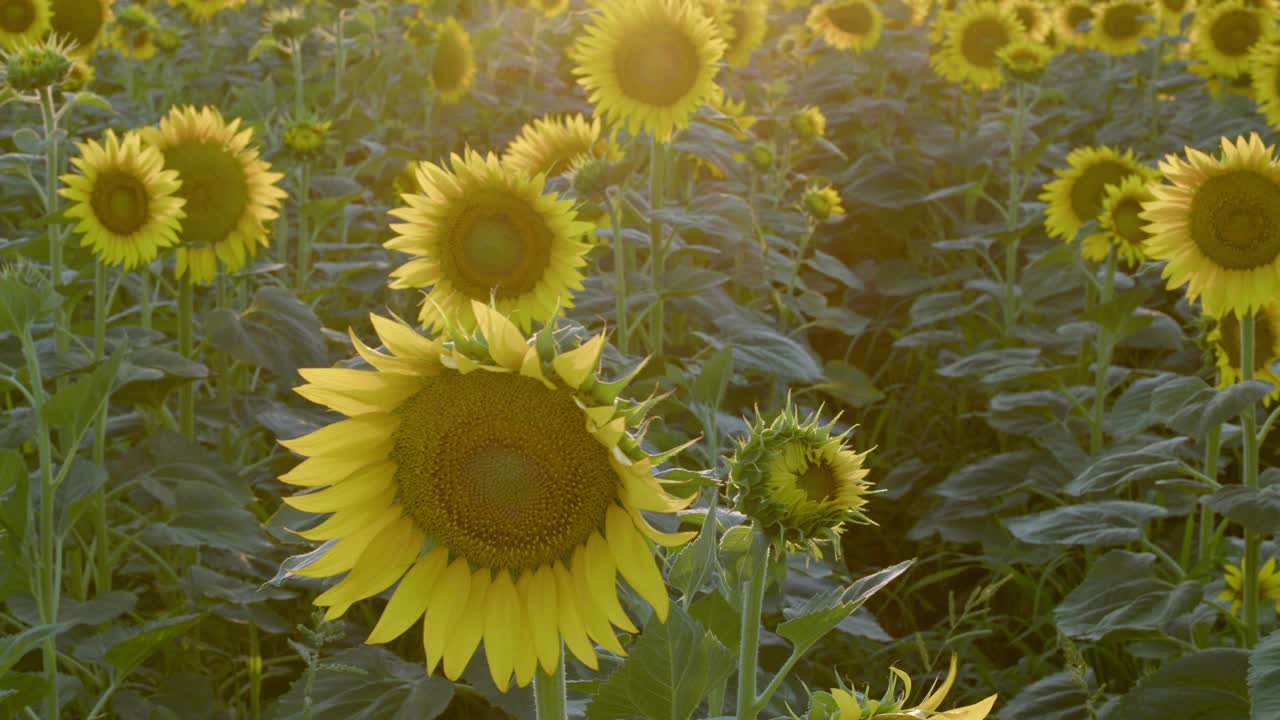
point(808, 122)
point(1075, 197)
point(1032, 15)
point(822, 202)
point(453, 67)
point(1073, 20)
point(1225, 341)
point(23, 22)
point(83, 22)
point(1120, 222)
point(798, 480)
point(741, 24)
point(648, 64)
point(553, 144)
point(32, 67)
point(127, 204)
point(498, 481)
point(974, 36)
point(230, 191)
point(1264, 73)
point(1120, 25)
point(1223, 36)
point(134, 33)
point(1026, 59)
point(847, 24)
point(481, 230)
point(848, 704)
point(1217, 223)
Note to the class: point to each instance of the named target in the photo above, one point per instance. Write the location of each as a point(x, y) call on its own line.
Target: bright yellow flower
point(847, 24)
point(1268, 585)
point(974, 36)
point(1120, 25)
point(454, 66)
point(852, 707)
point(551, 145)
point(1225, 340)
point(23, 22)
point(1223, 35)
point(1075, 197)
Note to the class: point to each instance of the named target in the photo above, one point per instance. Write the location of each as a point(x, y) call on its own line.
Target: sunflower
point(742, 26)
point(1076, 196)
point(798, 480)
point(1121, 224)
point(1025, 59)
point(127, 203)
point(81, 21)
point(23, 22)
point(1268, 585)
point(551, 145)
point(136, 43)
point(974, 37)
point(1119, 25)
point(1170, 13)
point(483, 230)
point(1222, 36)
point(849, 705)
point(454, 67)
point(847, 24)
point(1225, 340)
point(822, 201)
point(230, 191)
point(1218, 225)
point(1031, 15)
point(204, 10)
point(500, 486)
point(649, 63)
point(808, 122)
point(1264, 72)
point(1073, 20)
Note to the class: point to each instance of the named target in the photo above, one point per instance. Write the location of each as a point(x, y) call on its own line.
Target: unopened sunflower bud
point(36, 67)
point(822, 202)
point(760, 156)
point(808, 123)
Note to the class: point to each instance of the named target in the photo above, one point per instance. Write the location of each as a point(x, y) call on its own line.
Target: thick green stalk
point(619, 274)
point(1012, 210)
point(48, 587)
point(1249, 473)
point(340, 64)
point(299, 86)
point(752, 603)
point(101, 308)
point(657, 191)
point(187, 397)
point(549, 693)
point(144, 290)
point(52, 161)
point(1103, 359)
point(1213, 446)
point(304, 239)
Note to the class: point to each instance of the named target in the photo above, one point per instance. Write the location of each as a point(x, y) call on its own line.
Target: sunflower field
point(661, 359)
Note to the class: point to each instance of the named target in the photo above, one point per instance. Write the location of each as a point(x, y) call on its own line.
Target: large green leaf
point(366, 683)
point(1121, 594)
point(1254, 508)
point(820, 614)
point(74, 406)
point(1156, 461)
point(277, 332)
point(1206, 685)
point(138, 643)
point(1264, 678)
point(1056, 697)
point(1107, 522)
point(13, 647)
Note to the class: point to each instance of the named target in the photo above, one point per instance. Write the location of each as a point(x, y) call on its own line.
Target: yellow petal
point(531, 366)
point(356, 392)
point(344, 553)
point(634, 561)
point(544, 618)
point(571, 626)
point(848, 705)
point(363, 485)
point(976, 711)
point(577, 365)
point(468, 627)
point(935, 698)
point(507, 345)
point(448, 597)
point(590, 609)
point(349, 519)
point(403, 341)
point(502, 616)
point(643, 489)
point(409, 601)
point(346, 437)
point(330, 471)
point(602, 577)
point(665, 539)
point(526, 657)
point(388, 555)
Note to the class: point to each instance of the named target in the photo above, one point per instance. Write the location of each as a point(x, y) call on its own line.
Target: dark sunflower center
point(498, 244)
point(818, 482)
point(657, 66)
point(1078, 15)
point(214, 186)
point(1264, 340)
point(982, 39)
point(1122, 22)
point(1173, 5)
point(1127, 220)
point(1089, 190)
point(739, 25)
point(16, 15)
point(1024, 59)
point(119, 201)
point(80, 20)
point(1028, 16)
point(853, 18)
point(1235, 220)
point(500, 469)
point(1235, 32)
point(453, 58)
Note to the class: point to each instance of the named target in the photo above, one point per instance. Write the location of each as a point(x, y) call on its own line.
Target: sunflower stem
point(619, 272)
point(144, 292)
point(52, 161)
point(340, 63)
point(752, 603)
point(1213, 447)
point(299, 89)
point(1012, 209)
point(550, 694)
point(1249, 473)
point(657, 188)
point(1103, 361)
point(102, 539)
point(304, 239)
point(187, 396)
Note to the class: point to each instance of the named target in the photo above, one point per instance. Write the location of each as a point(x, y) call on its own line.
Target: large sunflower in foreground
point(847, 24)
point(500, 486)
point(649, 64)
point(1119, 26)
point(1121, 222)
point(81, 21)
point(974, 36)
point(1223, 36)
point(230, 191)
point(453, 68)
point(23, 22)
point(126, 201)
point(1264, 72)
point(1218, 225)
point(1076, 196)
point(1225, 340)
point(482, 230)
point(551, 145)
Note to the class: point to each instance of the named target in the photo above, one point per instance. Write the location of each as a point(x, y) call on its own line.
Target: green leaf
point(671, 668)
point(1264, 678)
point(133, 650)
point(1222, 406)
point(713, 379)
point(1056, 697)
point(1117, 471)
point(849, 385)
point(13, 647)
point(1107, 522)
point(823, 612)
point(935, 307)
point(93, 100)
point(1121, 594)
point(720, 617)
point(1255, 509)
point(1206, 685)
point(696, 562)
point(277, 332)
point(385, 688)
point(21, 304)
point(28, 141)
point(74, 407)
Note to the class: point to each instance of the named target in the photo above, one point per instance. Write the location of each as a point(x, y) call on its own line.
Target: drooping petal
point(409, 601)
